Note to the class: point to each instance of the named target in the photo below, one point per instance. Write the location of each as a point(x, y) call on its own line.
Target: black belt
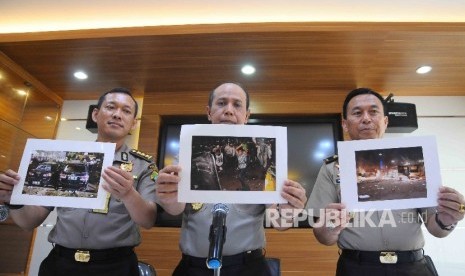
point(384, 257)
point(238, 259)
point(85, 255)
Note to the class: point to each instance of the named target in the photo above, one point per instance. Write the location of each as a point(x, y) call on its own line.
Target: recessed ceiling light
point(424, 69)
point(248, 70)
point(48, 118)
point(21, 92)
point(78, 128)
point(63, 119)
point(80, 75)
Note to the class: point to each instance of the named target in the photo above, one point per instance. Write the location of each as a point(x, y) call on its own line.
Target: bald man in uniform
point(245, 237)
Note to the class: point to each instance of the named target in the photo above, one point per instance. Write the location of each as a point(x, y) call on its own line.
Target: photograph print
point(389, 173)
point(232, 163)
point(63, 173)
point(225, 163)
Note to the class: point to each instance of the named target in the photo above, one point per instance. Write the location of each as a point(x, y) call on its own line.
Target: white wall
point(76, 114)
point(444, 117)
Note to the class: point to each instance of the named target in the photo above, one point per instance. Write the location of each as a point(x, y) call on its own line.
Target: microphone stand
point(217, 237)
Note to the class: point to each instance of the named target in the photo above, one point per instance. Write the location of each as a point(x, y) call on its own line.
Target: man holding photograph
point(99, 242)
point(377, 247)
point(245, 237)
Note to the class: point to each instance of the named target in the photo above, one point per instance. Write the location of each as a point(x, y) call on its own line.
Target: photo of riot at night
point(225, 163)
point(394, 173)
point(63, 173)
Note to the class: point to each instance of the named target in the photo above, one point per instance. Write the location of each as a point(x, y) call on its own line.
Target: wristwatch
point(442, 226)
point(4, 210)
point(13, 206)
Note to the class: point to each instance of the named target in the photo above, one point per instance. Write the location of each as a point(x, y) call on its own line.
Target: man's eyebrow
point(115, 103)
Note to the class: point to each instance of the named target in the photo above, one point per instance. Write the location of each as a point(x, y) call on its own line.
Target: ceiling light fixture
point(80, 75)
point(423, 69)
point(63, 119)
point(78, 128)
point(248, 70)
point(21, 92)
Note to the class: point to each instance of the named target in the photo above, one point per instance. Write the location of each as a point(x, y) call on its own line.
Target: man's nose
point(117, 113)
point(366, 117)
point(229, 109)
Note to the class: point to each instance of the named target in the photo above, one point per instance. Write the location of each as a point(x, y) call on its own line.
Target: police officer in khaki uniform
point(245, 237)
point(100, 242)
point(375, 243)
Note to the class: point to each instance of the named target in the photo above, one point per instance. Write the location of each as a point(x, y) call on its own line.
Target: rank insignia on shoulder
point(331, 159)
point(141, 155)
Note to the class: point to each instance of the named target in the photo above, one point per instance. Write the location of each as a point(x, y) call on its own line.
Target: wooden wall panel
point(21, 117)
point(148, 142)
point(14, 244)
point(11, 101)
point(299, 251)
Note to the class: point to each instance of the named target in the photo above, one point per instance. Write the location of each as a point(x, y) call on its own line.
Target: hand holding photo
point(232, 163)
point(395, 173)
point(61, 173)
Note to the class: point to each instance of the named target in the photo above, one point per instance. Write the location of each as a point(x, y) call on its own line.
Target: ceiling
point(288, 56)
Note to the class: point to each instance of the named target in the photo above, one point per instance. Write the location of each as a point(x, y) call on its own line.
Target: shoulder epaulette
point(331, 159)
point(141, 155)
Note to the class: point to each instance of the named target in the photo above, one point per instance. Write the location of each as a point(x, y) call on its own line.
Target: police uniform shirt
point(399, 232)
point(244, 229)
point(83, 228)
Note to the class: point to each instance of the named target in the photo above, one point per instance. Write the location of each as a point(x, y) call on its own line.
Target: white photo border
point(185, 194)
point(348, 175)
point(17, 197)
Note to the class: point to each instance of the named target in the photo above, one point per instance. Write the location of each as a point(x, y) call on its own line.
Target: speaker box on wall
point(402, 117)
point(90, 124)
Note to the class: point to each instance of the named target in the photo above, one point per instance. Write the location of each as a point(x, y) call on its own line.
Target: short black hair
point(212, 93)
point(362, 91)
point(120, 90)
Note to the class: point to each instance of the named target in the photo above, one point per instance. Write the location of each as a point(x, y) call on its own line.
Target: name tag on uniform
point(105, 209)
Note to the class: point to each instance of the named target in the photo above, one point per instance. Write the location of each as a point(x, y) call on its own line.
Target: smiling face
point(115, 118)
point(365, 118)
point(228, 105)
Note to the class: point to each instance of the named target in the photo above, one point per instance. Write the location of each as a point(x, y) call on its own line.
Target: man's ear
point(94, 114)
point(134, 124)
point(344, 125)
point(208, 113)
point(247, 116)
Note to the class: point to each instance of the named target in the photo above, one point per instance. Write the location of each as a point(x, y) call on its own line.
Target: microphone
point(217, 236)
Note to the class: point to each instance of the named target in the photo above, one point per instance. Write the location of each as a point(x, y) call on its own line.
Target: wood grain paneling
point(14, 244)
point(289, 57)
point(21, 118)
point(299, 251)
